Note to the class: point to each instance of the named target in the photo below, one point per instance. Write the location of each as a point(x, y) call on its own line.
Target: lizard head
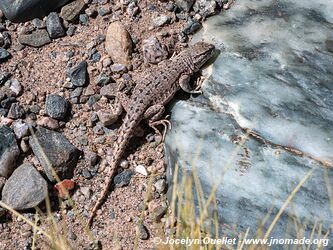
point(201, 52)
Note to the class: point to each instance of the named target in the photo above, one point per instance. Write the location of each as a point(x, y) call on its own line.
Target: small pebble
point(16, 111)
point(21, 129)
point(103, 11)
point(71, 235)
point(141, 170)
point(160, 186)
point(84, 19)
point(56, 106)
point(142, 232)
point(161, 20)
point(124, 164)
point(71, 30)
point(123, 179)
point(158, 213)
point(86, 174)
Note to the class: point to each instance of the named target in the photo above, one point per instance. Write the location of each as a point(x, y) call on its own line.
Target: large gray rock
point(9, 151)
point(37, 38)
point(272, 79)
point(53, 149)
point(21, 11)
point(25, 188)
point(70, 12)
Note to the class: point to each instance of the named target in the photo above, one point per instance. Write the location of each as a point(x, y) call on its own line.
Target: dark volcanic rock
point(4, 54)
point(3, 112)
point(54, 26)
point(79, 74)
point(60, 153)
point(21, 11)
point(36, 39)
point(56, 106)
point(25, 188)
point(185, 4)
point(103, 80)
point(6, 103)
point(9, 151)
point(191, 26)
point(4, 76)
point(5, 40)
point(16, 111)
point(123, 179)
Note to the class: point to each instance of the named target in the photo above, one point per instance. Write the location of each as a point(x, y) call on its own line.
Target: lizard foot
point(199, 83)
point(167, 125)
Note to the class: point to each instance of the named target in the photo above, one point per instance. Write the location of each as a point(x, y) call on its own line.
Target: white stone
point(141, 170)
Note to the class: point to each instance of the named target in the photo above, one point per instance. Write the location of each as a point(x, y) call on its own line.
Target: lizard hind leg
point(153, 114)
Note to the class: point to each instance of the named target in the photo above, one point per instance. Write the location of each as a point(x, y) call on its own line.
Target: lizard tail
point(120, 146)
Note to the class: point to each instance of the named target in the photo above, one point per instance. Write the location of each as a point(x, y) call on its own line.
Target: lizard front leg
point(121, 103)
point(154, 113)
point(184, 85)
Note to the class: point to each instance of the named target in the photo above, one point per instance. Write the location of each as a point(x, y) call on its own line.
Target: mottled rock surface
point(37, 38)
point(60, 153)
point(9, 151)
point(25, 188)
point(153, 51)
point(273, 79)
point(54, 25)
point(4, 54)
point(185, 4)
point(21, 11)
point(142, 232)
point(16, 111)
point(123, 179)
point(71, 11)
point(78, 74)
point(56, 106)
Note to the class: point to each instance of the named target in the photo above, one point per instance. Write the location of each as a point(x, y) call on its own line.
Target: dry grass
point(55, 234)
point(189, 225)
point(182, 204)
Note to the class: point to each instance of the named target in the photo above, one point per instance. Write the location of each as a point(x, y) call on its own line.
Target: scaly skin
point(148, 100)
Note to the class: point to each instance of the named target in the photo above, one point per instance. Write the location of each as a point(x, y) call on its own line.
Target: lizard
point(148, 99)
